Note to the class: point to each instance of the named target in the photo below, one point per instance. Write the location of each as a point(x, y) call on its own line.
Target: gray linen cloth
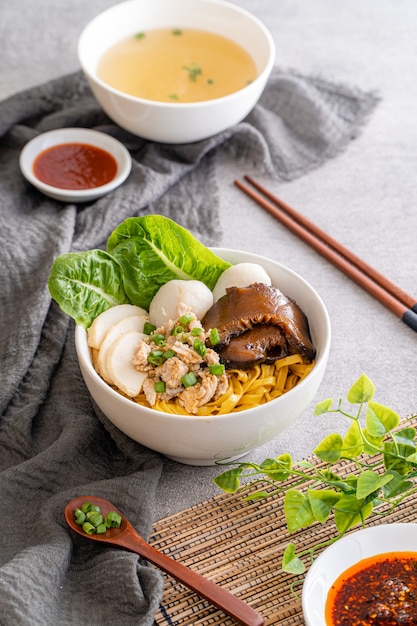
point(54, 444)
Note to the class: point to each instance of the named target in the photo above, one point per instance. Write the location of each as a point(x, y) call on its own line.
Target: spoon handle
point(223, 599)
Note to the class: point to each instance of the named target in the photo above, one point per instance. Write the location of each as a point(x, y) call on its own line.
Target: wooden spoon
point(127, 537)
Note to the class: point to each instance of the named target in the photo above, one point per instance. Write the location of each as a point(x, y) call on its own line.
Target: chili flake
point(378, 590)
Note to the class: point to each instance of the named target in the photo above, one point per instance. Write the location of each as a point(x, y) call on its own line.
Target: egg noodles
point(247, 388)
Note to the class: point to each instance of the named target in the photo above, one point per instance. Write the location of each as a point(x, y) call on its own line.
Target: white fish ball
point(165, 303)
point(240, 275)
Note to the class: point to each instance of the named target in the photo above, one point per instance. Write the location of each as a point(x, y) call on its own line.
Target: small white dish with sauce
point(346, 552)
point(85, 137)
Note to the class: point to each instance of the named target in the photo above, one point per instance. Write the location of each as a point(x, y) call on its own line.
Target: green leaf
point(395, 457)
point(397, 486)
point(305, 464)
point(380, 419)
point(153, 250)
point(229, 481)
point(322, 502)
point(352, 446)
point(277, 469)
point(297, 510)
point(350, 511)
point(330, 448)
point(361, 391)
point(84, 284)
point(257, 495)
point(347, 485)
point(405, 436)
point(290, 561)
point(323, 406)
point(369, 481)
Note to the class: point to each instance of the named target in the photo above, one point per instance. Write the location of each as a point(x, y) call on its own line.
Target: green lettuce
point(85, 284)
point(142, 254)
point(153, 250)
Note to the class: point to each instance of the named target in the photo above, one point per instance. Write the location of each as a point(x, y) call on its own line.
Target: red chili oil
point(75, 166)
point(381, 589)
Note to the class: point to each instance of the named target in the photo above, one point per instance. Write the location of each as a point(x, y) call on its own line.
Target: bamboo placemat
point(239, 545)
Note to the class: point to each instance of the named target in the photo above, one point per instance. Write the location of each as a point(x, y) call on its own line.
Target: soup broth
point(175, 65)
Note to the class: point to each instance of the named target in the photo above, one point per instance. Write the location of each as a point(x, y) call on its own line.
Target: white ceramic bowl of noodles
point(197, 440)
point(176, 122)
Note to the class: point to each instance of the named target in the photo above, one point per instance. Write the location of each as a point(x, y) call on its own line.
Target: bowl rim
point(58, 136)
point(81, 338)
point(260, 78)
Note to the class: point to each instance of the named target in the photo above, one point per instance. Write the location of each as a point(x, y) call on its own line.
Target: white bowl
point(75, 135)
point(176, 122)
point(352, 548)
point(198, 440)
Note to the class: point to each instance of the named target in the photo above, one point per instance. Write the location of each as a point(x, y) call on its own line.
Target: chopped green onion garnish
point(95, 518)
point(94, 521)
point(189, 379)
point(193, 71)
point(177, 330)
point(177, 31)
point(199, 347)
point(159, 386)
point(186, 318)
point(89, 528)
point(196, 331)
point(216, 368)
point(158, 339)
point(148, 328)
point(79, 516)
point(155, 357)
point(168, 354)
point(101, 529)
point(214, 336)
point(139, 35)
point(113, 520)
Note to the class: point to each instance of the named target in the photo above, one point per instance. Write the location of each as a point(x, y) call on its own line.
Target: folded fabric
point(54, 444)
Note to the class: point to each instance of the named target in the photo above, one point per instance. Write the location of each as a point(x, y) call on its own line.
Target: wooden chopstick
point(387, 293)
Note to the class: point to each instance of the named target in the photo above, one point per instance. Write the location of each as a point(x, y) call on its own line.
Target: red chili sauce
point(378, 590)
point(75, 166)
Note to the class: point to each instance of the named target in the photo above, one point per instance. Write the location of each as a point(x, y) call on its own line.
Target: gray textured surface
point(366, 197)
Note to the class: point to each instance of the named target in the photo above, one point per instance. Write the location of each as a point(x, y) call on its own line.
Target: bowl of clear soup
point(176, 71)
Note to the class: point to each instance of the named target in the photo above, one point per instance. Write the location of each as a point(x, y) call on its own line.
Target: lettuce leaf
point(154, 249)
point(84, 284)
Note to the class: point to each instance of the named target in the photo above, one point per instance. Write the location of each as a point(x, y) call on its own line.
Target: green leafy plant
point(382, 451)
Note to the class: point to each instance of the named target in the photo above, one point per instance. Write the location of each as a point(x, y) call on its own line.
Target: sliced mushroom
point(259, 307)
point(264, 343)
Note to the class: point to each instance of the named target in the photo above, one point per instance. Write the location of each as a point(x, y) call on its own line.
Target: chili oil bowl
point(384, 539)
point(73, 136)
point(197, 440)
point(176, 122)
